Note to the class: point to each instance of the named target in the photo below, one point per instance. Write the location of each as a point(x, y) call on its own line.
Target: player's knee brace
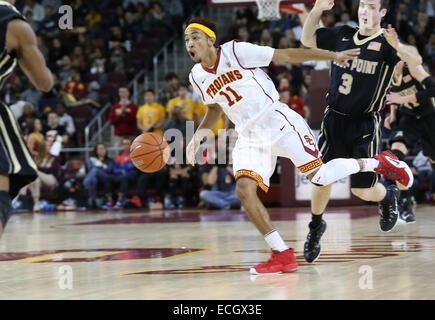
point(5, 207)
point(399, 154)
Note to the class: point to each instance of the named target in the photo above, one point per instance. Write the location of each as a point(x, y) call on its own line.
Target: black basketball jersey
point(8, 60)
point(406, 85)
point(360, 88)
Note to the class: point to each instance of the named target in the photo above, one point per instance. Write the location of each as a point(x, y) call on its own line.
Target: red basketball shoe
point(279, 262)
point(394, 169)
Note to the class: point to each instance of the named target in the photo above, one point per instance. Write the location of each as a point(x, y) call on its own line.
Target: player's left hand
point(393, 97)
point(342, 57)
point(391, 36)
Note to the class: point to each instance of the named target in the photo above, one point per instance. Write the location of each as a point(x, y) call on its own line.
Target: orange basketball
point(149, 152)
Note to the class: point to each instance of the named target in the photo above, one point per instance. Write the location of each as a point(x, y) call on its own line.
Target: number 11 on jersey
point(231, 102)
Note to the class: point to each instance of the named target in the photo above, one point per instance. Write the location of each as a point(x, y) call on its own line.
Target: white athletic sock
point(275, 241)
point(369, 164)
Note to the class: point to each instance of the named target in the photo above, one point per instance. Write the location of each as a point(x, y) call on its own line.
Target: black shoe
point(406, 213)
point(389, 209)
point(312, 244)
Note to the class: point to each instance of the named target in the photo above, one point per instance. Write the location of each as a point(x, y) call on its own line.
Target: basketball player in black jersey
point(411, 120)
point(17, 45)
point(356, 94)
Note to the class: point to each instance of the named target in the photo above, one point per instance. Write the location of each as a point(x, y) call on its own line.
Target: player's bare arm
point(392, 117)
point(20, 37)
point(301, 55)
point(407, 53)
point(418, 72)
point(311, 24)
point(398, 99)
point(210, 119)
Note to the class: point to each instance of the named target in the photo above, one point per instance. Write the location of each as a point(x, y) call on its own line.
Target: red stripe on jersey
point(314, 153)
point(234, 51)
point(253, 77)
point(213, 70)
point(197, 86)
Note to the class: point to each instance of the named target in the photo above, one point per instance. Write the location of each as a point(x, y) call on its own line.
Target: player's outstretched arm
point(311, 24)
point(418, 72)
point(210, 119)
point(407, 53)
point(21, 37)
point(301, 55)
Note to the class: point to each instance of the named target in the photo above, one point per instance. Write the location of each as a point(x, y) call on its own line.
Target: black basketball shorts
point(344, 137)
point(15, 158)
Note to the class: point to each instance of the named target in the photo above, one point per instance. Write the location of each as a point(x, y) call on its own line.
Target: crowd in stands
point(111, 40)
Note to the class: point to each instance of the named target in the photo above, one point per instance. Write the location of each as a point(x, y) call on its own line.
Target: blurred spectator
point(243, 34)
point(128, 3)
point(123, 173)
point(132, 29)
point(123, 117)
point(48, 28)
point(151, 116)
point(176, 120)
point(223, 189)
point(171, 89)
point(430, 47)
point(65, 120)
point(118, 61)
point(73, 89)
point(266, 38)
point(159, 17)
point(35, 137)
point(180, 186)
point(294, 102)
point(26, 119)
point(187, 105)
point(99, 165)
point(31, 95)
point(118, 39)
point(54, 129)
point(78, 60)
point(37, 10)
point(423, 172)
point(49, 172)
point(345, 20)
point(64, 69)
point(157, 181)
point(98, 64)
point(55, 54)
point(93, 17)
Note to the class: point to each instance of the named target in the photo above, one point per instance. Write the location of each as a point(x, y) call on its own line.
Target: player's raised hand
point(324, 4)
point(343, 57)
point(391, 36)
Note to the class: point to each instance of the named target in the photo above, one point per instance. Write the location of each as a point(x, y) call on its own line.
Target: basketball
point(149, 152)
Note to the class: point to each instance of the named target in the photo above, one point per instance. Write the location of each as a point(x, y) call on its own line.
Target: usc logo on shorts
point(309, 140)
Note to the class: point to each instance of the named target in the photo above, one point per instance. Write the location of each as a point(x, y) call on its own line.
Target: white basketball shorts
point(280, 132)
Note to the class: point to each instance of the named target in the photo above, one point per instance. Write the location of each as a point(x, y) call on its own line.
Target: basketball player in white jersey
point(229, 79)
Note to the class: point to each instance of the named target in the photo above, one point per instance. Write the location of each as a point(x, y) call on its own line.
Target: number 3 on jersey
point(231, 102)
point(346, 85)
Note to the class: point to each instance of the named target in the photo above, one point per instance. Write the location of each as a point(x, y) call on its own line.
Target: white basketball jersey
point(236, 83)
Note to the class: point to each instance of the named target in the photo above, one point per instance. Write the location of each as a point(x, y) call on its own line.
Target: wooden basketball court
point(199, 254)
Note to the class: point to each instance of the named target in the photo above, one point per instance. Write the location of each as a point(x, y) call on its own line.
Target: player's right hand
point(343, 56)
point(324, 4)
point(191, 150)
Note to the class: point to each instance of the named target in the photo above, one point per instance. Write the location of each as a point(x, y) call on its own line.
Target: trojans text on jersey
point(223, 80)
